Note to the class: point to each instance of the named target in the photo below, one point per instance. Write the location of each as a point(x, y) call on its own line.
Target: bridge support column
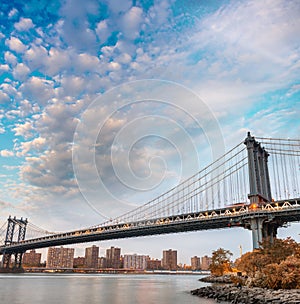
point(256, 225)
point(5, 260)
point(263, 229)
point(260, 189)
point(14, 226)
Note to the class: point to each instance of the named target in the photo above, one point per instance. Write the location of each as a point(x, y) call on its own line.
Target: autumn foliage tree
point(274, 265)
point(220, 262)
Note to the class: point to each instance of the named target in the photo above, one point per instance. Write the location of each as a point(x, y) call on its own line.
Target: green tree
point(220, 262)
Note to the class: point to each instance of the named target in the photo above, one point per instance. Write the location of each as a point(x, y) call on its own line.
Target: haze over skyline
point(146, 93)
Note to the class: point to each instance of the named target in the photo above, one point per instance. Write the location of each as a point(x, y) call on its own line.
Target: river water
point(99, 288)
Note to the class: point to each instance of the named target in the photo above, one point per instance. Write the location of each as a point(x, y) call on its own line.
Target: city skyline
point(63, 67)
point(67, 257)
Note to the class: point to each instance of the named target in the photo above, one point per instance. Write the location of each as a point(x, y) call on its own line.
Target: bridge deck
point(283, 211)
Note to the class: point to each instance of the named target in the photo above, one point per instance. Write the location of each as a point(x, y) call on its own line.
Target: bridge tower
point(260, 192)
point(14, 226)
point(260, 189)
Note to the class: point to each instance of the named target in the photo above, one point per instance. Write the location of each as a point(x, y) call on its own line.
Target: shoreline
point(105, 271)
point(248, 295)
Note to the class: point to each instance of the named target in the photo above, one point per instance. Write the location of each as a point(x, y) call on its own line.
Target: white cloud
point(76, 29)
point(4, 98)
point(20, 71)
point(15, 44)
point(131, 22)
point(9, 88)
point(113, 66)
point(6, 153)
point(13, 114)
point(246, 34)
point(24, 24)
point(27, 108)
point(277, 121)
point(57, 61)
point(36, 56)
point(37, 144)
point(4, 67)
point(10, 58)
point(24, 130)
point(119, 6)
point(38, 89)
point(13, 13)
point(159, 13)
point(103, 31)
point(124, 58)
point(87, 63)
point(72, 85)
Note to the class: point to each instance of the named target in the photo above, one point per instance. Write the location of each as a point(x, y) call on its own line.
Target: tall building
point(195, 263)
point(134, 261)
point(78, 262)
point(91, 257)
point(59, 257)
point(102, 262)
point(113, 257)
point(154, 264)
point(169, 260)
point(32, 258)
point(205, 262)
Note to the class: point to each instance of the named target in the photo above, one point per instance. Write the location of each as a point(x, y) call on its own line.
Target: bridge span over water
point(233, 191)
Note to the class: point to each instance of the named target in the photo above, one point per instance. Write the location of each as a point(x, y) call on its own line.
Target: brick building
point(169, 260)
point(32, 259)
point(113, 257)
point(91, 257)
point(60, 257)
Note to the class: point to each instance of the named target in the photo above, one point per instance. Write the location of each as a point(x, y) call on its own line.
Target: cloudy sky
point(107, 104)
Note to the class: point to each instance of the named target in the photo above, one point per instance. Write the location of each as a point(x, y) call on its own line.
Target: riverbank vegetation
point(273, 266)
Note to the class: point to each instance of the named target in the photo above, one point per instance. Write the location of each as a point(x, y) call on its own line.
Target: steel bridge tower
point(260, 192)
point(14, 226)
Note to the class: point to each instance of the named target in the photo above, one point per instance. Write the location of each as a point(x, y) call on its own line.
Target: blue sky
point(77, 64)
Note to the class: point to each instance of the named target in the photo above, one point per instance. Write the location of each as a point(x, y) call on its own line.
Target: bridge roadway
point(234, 216)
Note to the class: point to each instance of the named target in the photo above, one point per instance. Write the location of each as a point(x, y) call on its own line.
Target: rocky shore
point(247, 295)
point(225, 279)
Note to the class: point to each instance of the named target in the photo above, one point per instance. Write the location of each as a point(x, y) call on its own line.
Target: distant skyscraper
point(91, 257)
point(60, 257)
point(113, 256)
point(169, 260)
point(195, 263)
point(32, 259)
point(205, 262)
point(134, 261)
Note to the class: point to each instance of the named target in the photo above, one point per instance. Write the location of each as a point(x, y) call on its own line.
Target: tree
point(274, 265)
point(251, 262)
point(220, 262)
point(279, 250)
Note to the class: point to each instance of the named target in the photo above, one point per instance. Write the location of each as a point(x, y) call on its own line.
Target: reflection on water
point(100, 288)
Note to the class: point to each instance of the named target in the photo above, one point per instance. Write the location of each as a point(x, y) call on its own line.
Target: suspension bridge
point(255, 185)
